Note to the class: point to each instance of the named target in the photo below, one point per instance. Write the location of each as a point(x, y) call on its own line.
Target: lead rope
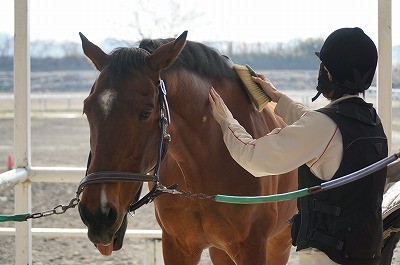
point(60, 209)
point(312, 190)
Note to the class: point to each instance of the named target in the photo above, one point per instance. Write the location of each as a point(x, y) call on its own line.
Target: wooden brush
point(256, 94)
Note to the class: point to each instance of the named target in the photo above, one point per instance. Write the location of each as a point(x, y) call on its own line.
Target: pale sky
point(252, 21)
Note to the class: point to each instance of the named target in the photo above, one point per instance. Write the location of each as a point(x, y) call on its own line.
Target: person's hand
point(268, 87)
point(219, 109)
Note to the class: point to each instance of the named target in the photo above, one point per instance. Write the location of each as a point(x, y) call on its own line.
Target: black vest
point(346, 222)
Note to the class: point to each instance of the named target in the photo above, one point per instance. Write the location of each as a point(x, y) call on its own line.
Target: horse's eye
point(144, 115)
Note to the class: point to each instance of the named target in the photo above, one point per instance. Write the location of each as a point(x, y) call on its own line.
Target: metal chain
point(164, 189)
point(59, 209)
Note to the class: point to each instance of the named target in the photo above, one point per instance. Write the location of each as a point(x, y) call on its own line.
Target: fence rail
point(10, 178)
point(78, 232)
point(74, 101)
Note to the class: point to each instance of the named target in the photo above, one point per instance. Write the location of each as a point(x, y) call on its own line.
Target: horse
point(123, 112)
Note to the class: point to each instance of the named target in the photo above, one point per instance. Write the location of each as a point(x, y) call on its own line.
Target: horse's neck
point(189, 103)
point(190, 127)
point(187, 94)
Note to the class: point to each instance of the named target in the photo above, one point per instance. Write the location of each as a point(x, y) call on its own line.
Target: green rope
point(16, 218)
point(262, 199)
point(306, 191)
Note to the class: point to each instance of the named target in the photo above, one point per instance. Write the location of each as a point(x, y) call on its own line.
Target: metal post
point(22, 128)
point(153, 252)
point(23, 234)
point(384, 91)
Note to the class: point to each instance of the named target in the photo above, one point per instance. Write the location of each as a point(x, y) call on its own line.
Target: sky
point(206, 20)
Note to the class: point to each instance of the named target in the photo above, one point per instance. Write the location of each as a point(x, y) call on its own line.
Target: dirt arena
point(61, 141)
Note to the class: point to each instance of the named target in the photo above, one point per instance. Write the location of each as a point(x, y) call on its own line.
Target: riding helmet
point(351, 58)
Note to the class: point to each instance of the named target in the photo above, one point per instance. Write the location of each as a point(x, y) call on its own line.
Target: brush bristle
point(256, 94)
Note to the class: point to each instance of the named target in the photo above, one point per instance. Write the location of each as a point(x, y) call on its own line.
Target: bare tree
point(42, 48)
point(150, 20)
point(6, 45)
point(71, 49)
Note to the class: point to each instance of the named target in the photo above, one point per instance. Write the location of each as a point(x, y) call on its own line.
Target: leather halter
point(115, 176)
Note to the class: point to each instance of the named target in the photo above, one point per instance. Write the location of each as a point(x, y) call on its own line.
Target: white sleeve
point(289, 110)
point(283, 149)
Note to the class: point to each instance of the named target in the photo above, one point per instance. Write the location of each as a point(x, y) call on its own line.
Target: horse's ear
point(93, 52)
point(166, 54)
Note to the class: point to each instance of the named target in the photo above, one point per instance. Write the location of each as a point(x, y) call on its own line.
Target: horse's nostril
point(84, 213)
point(110, 215)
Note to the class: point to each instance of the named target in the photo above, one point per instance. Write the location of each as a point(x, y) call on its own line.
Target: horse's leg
point(174, 254)
point(274, 251)
point(279, 247)
point(219, 257)
point(251, 251)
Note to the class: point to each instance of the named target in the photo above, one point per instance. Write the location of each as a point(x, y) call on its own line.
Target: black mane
point(122, 60)
point(195, 57)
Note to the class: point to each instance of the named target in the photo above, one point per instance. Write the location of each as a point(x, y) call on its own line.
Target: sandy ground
point(64, 141)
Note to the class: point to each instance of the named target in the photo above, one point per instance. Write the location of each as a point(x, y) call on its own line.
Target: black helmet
point(351, 57)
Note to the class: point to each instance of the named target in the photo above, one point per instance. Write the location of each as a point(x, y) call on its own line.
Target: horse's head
point(123, 113)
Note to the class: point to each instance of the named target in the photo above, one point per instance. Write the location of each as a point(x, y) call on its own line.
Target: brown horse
point(123, 114)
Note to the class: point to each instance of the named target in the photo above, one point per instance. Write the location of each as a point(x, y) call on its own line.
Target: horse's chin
point(116, 241)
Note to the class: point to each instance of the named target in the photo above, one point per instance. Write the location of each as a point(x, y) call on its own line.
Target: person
point(342, 225)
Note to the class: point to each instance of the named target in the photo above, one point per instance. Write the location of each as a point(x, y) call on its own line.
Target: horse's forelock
point(122, 61)
point(150, 45)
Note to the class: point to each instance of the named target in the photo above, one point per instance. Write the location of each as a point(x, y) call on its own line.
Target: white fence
point(47, 102)
point(152, 254)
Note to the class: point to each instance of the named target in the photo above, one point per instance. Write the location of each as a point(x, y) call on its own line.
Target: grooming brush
point(258, 97)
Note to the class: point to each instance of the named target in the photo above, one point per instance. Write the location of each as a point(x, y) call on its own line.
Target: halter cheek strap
point(165, 120)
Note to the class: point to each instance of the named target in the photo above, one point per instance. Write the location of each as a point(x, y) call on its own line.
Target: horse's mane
point(195, 57)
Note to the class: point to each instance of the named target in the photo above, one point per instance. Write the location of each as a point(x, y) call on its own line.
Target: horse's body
point(123, 117)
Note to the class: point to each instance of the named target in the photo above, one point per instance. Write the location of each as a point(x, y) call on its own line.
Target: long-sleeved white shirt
point(310, 138)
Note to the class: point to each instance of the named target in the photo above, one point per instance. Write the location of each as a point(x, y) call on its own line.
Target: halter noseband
point(115, 176)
